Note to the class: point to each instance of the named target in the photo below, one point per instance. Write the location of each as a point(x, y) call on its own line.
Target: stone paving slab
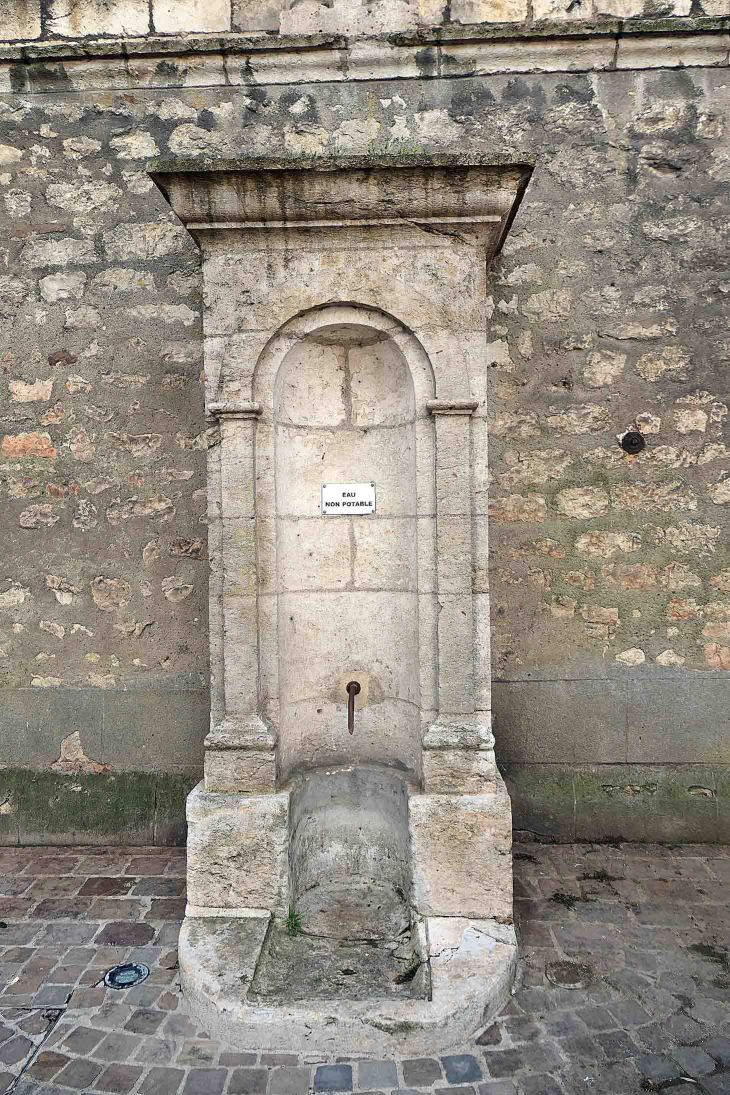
point(641, 932)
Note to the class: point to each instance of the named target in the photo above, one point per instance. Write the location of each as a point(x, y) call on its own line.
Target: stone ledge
point(237, 60)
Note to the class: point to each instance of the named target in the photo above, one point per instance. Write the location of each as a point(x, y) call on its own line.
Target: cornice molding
point(234, 59)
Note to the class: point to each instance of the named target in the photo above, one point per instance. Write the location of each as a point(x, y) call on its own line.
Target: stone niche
point(348, 892)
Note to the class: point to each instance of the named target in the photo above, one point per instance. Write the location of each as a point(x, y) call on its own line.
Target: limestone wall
point(27, 20)
point(610, 573)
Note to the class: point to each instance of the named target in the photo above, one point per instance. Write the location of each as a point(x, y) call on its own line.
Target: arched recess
point(343, 390)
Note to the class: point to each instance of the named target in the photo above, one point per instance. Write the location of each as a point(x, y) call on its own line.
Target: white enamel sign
point(346, 499)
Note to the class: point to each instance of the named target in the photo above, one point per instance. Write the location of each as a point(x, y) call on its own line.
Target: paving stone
point(693, 1061)
point(106, 887)
point(15, 1050)
point(156, 1051)
point(541, 1084)
point(82, 1040)
point(467, 1089)
point(582, 1047)
point(233, 1060)
point(718, 1084)
point(162, 886)
point(125, 934)
point(248, 1081)
point(144, 1021)
point(421, 1072)
point(333, 1078)
point(658, 1069)
point(79, 1073)
point(376, 1074)
point(119, 1078)
point(520, 1029)
point(161, 1081)
point(198, 1052)
point(628, 1013)
point(461, 1068)
point(598, 1018)
point(492, 1036)
point(534, 1058)
point(616, 1044)
point(51, 995)
point(719, 1048)
point(205, 1081)
point(288, 1080)
point(47, 1064)
point(117, 1047)
point(271, 1060)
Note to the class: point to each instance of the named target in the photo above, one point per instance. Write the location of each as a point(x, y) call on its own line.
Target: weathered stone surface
point(176, 16)
point(238, 851)
point(461, 854)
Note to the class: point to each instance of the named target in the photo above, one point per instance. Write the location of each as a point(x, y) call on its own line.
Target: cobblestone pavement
point(640, 931)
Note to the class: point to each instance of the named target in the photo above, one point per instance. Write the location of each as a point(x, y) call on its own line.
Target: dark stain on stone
point(18, 79)
point(50, 78)
point(517, 90)
point(577, 91)
point(568, 900)
point(170, 71)
point(207, 120)
point(427, 63)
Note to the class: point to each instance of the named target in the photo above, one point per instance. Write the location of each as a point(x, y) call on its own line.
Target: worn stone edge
point(231, 43)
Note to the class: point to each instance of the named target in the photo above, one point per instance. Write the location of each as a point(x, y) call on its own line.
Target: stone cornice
point(209, 60)
point(434, 193)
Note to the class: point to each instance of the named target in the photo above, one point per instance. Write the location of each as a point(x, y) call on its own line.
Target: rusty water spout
point(352, 690)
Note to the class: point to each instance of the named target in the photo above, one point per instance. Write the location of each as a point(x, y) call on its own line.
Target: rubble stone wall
point(609, 312)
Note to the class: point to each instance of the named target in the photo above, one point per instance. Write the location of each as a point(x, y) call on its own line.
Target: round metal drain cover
point(127, 975)
point(569, 975)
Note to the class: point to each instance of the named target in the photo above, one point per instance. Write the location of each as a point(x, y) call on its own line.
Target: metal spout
point(352, 690)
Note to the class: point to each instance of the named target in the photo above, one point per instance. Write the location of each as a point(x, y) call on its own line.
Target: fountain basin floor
point(306, 967)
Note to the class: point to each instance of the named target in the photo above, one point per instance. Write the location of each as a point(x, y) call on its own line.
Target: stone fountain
point(349, 850)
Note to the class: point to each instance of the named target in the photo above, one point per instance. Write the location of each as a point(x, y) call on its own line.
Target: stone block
point(314, 554)
point(34, 722)
point(543, 799)
point(311, 386)
point(454, 554)
point(305, 460)
point(348, 17)
point(663, 724)
point(488, 11)
point(20, 18)
point(238, 545)
point(240, 771)
point(537, 720)
point(180, 16)
point(256, 15)
point(238, 851)
point(453, 478)
point(646, 802)
point(672, 51)
point(458, 772)
point(77, 18)
point(240, 624)
point(161, 729)
point(239, 757)
point(455, 652)
point(486, 58)
point(384, 554)
point(381, 385)
point(461, 858)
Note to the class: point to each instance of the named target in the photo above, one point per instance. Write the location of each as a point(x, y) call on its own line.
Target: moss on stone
point(110, 808)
